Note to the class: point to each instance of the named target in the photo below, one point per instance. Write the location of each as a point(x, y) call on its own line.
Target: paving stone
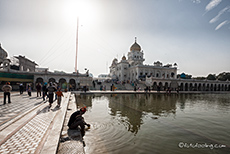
point(19, 105)
point(28, 137)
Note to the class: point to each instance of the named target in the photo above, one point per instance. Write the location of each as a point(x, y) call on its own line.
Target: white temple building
point(133, 69)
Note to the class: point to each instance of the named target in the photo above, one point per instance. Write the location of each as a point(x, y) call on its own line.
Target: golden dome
point(135, 47)
point(123, 58)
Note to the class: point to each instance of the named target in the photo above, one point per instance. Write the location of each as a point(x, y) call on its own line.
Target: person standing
point(56, 86)
point(7, 89)
point(21, 88)
point(39, 88)
point(51, 90)
point(29, 89)
point(44, 91)
point(59, 95)
point(158, 88)
point(94, 85)
point(111, 88)
point(70, 87)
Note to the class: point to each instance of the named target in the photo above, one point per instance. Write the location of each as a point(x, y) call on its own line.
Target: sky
point(195, 34)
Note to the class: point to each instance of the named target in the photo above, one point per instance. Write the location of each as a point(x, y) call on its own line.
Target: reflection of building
point(23, 71)
point(133, 108)
point(84, 100)
point(126, 111)
point(133, 69)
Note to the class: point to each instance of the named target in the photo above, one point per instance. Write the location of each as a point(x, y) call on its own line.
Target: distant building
point(133, 69)
point(26, 64)
point(44, 70)
point(102, 77)
point(23, 70)
point(159, 75)
point(4, 62)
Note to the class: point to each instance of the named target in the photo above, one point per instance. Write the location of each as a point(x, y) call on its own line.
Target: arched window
point(39, 80)
point(51, 80)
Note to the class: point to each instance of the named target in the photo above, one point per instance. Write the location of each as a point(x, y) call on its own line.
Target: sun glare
point(81, 9)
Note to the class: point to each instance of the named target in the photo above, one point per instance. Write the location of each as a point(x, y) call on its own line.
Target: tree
point(223, 76)
point(211, 77)
point(200, 78)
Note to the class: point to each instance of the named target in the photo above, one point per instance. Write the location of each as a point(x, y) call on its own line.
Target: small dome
point(123, 58)
point(114, 61)
point(135, 47)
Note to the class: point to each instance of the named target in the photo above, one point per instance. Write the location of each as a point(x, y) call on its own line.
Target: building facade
point(27, 73)
point(133, 69)
point(25, 64)
point(188, 84)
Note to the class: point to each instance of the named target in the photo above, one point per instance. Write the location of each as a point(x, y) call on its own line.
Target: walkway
point(28, 126)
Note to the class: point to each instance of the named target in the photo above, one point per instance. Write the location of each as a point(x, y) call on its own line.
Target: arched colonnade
point(191, 86)
point(63, 82)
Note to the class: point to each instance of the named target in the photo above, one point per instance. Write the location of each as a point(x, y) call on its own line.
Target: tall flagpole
point(76, 44)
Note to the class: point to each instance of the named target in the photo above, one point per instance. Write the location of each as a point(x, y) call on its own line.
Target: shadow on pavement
point(73, 135)
point(44, 110)
point(33, 97)
point(55, 109)
point(38, 103)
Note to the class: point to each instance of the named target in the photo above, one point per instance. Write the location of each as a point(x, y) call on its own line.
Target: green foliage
point(211, 77)
point(223, 76)
point(200, 78)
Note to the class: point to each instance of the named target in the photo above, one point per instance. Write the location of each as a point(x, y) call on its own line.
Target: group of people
point(76, 120)
point(48, 91)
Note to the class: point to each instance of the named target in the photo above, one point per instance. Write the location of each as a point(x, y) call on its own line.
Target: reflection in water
point(135, 123)
point(130, 109)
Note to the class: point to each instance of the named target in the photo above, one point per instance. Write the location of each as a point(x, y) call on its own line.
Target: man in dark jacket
point(51, 90)
point(76, 120)
point(21, 88)
point(44, 91)
point(39, 88)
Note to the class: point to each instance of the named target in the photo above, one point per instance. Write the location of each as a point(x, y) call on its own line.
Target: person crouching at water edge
point(76, 120)
point(59, 95)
